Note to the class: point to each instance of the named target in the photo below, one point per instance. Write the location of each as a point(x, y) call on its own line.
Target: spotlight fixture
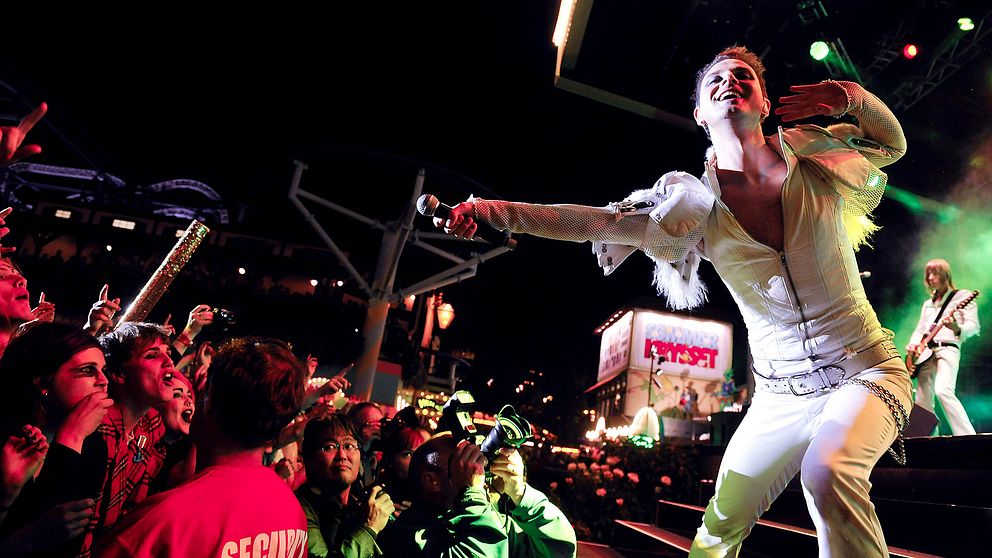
point(819, 50)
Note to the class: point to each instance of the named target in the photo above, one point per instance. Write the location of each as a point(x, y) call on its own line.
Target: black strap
point(944, 307)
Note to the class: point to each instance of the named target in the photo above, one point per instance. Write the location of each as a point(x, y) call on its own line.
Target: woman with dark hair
point(397, 449)
point(54, 377)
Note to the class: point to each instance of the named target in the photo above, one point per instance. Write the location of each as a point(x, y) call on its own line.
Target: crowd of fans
point(128, 439)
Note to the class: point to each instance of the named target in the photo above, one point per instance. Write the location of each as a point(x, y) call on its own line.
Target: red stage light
point(910, 51)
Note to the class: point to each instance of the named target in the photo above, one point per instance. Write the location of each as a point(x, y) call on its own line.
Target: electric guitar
point(923, 353)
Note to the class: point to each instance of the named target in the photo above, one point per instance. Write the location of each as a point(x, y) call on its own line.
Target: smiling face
point(14, 297)
point(149, 376)
point(77, 378)
point(730, 91)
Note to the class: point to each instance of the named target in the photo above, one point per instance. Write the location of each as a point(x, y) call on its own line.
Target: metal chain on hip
point(899, 414)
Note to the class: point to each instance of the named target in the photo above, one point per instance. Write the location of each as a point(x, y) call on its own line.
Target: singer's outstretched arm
point(574, 223)
point(664, 219)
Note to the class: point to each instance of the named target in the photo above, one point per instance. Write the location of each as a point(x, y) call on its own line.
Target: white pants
point(835, 438)
point(938, 378)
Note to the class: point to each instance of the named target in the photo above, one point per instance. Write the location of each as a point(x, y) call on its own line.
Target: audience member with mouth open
point(177, 415)
point(142, 376)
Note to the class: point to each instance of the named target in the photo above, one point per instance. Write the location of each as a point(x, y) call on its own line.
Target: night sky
point(366, 93)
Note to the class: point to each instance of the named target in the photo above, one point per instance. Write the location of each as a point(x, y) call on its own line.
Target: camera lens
point(511, 431)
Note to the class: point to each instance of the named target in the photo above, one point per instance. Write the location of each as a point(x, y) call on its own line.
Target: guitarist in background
point(937, 376)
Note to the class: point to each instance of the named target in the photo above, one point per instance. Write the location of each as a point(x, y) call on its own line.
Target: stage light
point(123, 224)
point(242, 271)
point(339, 283)
point(564, 22)
point(910, 51)
point(314, 282)
point(109, 248)
point(819, 50)
point(966, 24)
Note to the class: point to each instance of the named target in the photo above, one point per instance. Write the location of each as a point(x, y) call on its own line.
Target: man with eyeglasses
point(340, 520)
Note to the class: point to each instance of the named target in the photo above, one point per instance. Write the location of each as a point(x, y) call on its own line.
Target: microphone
point(429, 206)
point(865, 275)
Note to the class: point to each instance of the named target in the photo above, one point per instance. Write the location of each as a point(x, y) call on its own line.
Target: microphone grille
point(427, 205)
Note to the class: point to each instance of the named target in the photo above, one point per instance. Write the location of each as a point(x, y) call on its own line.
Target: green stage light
point(819, 50)
point(966, 24)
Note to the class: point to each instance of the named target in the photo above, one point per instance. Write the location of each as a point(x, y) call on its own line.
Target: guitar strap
point(944, 307)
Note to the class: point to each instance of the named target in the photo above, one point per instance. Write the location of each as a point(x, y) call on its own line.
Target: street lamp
point(445, 313)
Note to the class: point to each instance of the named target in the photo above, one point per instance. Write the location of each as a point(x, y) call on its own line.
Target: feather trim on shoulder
point(680, 285)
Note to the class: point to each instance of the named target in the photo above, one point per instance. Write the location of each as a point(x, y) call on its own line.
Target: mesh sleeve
point(574, 223)
point(877, 122)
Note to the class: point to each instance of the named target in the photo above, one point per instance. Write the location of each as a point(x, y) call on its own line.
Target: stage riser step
point(781, 537)
point(633, 543)
point(901, 521)
point(936, 486)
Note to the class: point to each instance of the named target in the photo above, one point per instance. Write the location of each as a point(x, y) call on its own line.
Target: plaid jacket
point(133, 460)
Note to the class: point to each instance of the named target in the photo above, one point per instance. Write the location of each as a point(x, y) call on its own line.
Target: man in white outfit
point(937, 377)
point(779, 217)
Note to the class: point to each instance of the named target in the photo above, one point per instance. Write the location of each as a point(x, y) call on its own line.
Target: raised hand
point(468, 466)
point(199, 317)
point(45, 311)
point(819, 99)
point(204, 357)
point(4, 231)
point(205, 354)
point(311, 365)
point(170, 329)
point(335, 384)
point(460, 221)
point(508, 468)
point(83, 420)
point(380, 509)
point(101, 316)
point(11, 137)
point(20, 458)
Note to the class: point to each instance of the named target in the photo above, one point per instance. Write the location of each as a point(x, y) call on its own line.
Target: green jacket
point(335, 531)
point(474, 528)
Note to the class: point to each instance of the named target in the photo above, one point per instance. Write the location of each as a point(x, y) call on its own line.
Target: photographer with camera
point(452, 510)
point(535, 526)
point(451, 513)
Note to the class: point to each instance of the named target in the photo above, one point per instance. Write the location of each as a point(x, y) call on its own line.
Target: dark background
point(367, 93)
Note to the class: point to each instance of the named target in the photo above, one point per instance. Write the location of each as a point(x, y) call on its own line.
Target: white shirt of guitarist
point(967, 318)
